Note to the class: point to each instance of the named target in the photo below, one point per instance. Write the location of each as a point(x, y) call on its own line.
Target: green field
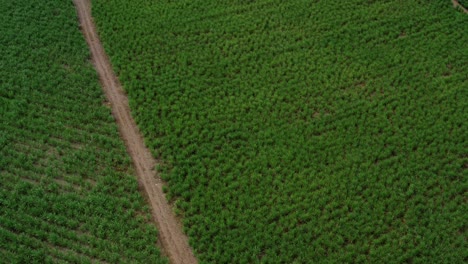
point(303, 131)
point(68, 193)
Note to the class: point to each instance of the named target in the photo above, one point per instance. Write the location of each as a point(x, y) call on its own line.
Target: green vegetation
point(464, 3)
point(67, 190)
point(303, 131)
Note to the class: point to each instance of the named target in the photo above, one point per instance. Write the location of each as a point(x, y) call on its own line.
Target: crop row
point(67, 192)
point(302, 131)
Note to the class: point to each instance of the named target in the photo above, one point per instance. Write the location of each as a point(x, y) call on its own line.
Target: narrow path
point(457, 4)
point(173, 240)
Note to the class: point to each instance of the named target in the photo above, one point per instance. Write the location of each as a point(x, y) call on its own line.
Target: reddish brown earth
point(173, 241)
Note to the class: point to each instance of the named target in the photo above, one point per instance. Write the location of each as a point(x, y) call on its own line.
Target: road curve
point(173, 241)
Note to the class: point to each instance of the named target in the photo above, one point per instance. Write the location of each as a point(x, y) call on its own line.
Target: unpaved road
point(457, 4)
point(174, 242)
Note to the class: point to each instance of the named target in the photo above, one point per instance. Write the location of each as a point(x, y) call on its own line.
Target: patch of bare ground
point(173, 241)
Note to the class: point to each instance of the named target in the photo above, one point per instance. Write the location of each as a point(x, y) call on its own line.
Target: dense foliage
point(67, 190)
point(463, 3)
point(303, 131)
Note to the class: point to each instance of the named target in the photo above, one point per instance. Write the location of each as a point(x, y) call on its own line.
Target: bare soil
point(173, 241)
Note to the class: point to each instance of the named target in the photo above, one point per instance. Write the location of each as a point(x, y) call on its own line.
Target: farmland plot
point(303, 131)
point(67, 190)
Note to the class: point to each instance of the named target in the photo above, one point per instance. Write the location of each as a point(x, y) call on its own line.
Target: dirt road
point(174, 242)
point(457, 4)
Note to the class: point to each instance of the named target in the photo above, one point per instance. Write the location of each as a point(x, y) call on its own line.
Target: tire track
point(173, 241)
